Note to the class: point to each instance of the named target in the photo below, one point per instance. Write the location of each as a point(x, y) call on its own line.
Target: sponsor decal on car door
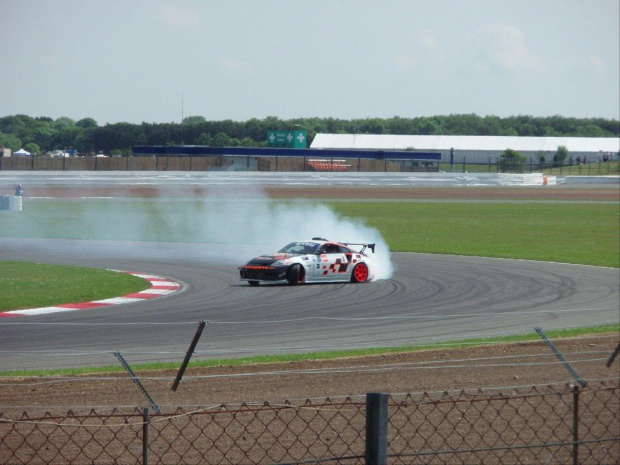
point(333, 265)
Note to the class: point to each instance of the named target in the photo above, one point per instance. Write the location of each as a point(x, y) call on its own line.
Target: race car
point(314, 261)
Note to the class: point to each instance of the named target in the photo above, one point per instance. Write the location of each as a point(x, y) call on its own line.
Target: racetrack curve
point(430, 298)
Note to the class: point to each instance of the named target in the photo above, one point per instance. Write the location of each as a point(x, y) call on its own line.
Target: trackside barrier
point(328, 165)
point(11, 202)
point(538, 424)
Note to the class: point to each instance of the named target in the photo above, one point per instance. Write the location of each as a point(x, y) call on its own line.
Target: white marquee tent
point(21, 153)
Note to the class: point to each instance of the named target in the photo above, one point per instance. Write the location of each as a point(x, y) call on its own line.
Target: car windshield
point(300, 248)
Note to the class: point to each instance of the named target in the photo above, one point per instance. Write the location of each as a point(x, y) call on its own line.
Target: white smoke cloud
point(222, 227)
point(259, 224)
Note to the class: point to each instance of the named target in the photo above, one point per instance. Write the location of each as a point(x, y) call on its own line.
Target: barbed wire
point(536, 391)
point(421, 365)
point(292, 401)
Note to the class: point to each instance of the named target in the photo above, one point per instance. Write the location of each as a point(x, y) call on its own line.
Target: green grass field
point(33, 285)
point(557, 232)
point(570, 232)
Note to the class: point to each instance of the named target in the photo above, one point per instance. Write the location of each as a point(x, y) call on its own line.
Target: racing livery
point(314, 261)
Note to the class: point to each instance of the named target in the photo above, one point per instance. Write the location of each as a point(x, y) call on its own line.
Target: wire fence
point(551, 425)
point(593, 166)
point(279, 163)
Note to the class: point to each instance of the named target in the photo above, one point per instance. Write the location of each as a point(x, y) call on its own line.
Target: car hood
point(268, 259)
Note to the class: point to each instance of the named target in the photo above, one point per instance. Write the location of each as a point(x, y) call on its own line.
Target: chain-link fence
point(595, 166)
point(551, 425)
point(218, 163)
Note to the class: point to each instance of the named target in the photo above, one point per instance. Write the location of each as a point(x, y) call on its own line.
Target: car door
point(331, 264)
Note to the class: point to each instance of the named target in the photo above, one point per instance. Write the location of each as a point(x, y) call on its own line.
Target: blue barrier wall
point(200, 150)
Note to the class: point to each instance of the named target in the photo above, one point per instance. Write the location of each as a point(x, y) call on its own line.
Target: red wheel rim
point(361, 272)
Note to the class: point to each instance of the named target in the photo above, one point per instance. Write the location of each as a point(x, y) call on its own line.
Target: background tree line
point(43, 134)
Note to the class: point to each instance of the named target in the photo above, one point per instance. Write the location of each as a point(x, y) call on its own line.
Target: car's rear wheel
point(294, 275)
point(253, 283)
point(360, 273)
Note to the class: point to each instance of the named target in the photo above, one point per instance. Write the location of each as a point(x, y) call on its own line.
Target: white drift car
point(314, 261)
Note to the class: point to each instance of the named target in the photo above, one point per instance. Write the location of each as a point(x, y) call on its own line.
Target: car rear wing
point(364, 246)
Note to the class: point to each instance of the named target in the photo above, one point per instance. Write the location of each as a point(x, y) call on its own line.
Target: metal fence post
point(575, 425)
point(376, 428)
point(145, 437)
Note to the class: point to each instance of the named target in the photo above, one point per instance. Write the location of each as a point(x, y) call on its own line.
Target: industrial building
point(477, 149)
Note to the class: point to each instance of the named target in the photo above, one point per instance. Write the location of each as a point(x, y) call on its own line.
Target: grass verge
point(34, 285)
point(585, 234)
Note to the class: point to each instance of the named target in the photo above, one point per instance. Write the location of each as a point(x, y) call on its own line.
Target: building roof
point(473, 143)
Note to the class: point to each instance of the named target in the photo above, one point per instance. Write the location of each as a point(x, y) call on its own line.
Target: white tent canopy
point(21, 153)
point(488, 143)
point(475, 148)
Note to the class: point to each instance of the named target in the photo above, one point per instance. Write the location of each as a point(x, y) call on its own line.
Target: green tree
point(221, 139)
point(511, 161)
point(10, 141)
point(86, 123)
point(43, 135)
point(63, 121)
point(194, 120)
point(66, 136)
point(561, 154)
point(33, 148)
point(429, 127)
point(204, 139)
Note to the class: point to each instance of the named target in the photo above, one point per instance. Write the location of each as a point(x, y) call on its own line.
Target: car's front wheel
point(294, 276)
point(360, 273)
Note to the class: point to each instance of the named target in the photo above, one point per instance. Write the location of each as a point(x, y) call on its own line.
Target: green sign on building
point(289, 139)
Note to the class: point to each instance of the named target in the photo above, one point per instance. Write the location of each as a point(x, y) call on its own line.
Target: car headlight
point(281, 262)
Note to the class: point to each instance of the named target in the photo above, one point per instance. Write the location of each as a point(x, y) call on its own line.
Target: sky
point(156, 61)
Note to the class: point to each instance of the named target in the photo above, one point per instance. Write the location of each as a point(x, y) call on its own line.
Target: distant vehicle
point(314, 261)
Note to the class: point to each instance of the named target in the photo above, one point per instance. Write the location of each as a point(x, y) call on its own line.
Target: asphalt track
point(430, 298)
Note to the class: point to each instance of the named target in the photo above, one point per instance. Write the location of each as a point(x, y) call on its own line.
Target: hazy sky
point(136, 60)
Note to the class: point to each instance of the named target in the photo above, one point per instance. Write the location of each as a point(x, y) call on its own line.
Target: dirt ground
point(492, 366)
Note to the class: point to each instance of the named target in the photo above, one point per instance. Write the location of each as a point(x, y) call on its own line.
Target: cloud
point(180, 17)
point(589, 63)
point(424, 51)
point(503, 46)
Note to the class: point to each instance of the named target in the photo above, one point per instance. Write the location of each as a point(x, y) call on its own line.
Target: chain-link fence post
point(575, 425)
point(376, 428)
point(145, 437)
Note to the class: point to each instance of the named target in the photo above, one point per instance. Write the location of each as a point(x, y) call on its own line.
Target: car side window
point(331, 248)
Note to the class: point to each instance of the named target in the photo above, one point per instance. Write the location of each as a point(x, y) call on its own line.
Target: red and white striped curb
point(159, 287)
